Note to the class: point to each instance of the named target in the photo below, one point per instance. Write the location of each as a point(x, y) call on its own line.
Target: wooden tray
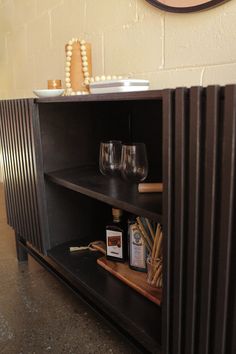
point(134, 279)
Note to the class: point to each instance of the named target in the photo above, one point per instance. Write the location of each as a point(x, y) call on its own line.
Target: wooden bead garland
point(78, 67)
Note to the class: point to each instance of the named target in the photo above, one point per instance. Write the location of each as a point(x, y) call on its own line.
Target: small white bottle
point(136, 247)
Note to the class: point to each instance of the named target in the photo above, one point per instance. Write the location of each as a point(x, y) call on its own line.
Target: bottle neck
point(116, 219)
point(116, 214)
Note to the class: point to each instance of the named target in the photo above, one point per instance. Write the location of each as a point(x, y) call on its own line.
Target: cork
point(150, 187)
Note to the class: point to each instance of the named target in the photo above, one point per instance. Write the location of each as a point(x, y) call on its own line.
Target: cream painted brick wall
point(200, 39)
point(128, 37)
point(225, 74)
point(108, 15)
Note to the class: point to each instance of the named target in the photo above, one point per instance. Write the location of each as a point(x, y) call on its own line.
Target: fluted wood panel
point(168, 212)
point(226, 264)
point(20, 175)
point(199, 217)
point(181, 147)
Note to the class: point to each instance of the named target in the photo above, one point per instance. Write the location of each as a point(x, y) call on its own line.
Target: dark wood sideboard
point(56, 197)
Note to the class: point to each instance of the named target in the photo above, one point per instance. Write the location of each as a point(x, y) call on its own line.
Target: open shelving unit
point(71, 201)
point(71, 131)
point(56, 197)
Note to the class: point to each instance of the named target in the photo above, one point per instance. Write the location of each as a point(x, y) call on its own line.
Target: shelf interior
point(110, 190)
point(118, 300)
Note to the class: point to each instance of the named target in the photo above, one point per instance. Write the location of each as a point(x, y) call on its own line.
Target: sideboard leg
point(22, 254)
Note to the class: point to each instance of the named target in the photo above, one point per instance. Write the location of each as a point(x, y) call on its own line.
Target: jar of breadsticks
point(153, 237)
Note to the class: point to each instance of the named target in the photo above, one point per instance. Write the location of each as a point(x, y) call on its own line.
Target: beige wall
point(129, 37)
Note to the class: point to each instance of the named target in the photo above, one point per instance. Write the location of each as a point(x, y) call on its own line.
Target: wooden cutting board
point(136, 280)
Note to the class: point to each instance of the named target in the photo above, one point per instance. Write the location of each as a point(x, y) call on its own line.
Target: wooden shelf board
point(110, 190)
point(136, 314)
point(120, 96)
point(136, 280)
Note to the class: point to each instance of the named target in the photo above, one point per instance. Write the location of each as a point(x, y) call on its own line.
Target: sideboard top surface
point(121, 96)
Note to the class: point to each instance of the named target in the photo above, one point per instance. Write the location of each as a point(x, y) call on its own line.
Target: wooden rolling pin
point(150, 187)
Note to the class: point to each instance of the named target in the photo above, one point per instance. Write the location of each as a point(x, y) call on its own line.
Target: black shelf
point(136, 315)
point(110, 190)
point(119, 96)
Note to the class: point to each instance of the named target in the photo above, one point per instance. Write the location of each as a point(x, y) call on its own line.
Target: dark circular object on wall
point(185, 5)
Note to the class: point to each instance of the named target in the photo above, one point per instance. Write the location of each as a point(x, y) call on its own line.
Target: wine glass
point(134, 163)
point(110, 157)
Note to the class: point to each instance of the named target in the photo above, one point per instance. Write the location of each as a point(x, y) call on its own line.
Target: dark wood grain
point(121, 303)
point(21, 182)
point(110, 190)
point(168, 215)
point(196, 158)
point(71, 133)
point(181, 213)
point(224, 314)
point(121, 96)
point(190, 136)
point(136, 280)
point(211, 173)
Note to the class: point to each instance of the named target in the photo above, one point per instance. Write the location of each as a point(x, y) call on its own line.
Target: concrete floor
point(39, 315)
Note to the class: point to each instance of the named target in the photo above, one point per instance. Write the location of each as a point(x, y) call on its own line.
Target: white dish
point(48, 93)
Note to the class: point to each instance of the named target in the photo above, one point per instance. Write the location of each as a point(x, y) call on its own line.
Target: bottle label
point(114, 244)
point(137, 248)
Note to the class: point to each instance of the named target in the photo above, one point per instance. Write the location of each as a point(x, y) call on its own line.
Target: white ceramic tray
point(123, 85)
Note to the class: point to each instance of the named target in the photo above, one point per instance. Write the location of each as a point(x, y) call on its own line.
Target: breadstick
point(157, 274)
point(144, 233)
point(158, 246)
point(150, 228)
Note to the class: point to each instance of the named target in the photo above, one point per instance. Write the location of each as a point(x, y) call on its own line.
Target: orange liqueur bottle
point(115, 237)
